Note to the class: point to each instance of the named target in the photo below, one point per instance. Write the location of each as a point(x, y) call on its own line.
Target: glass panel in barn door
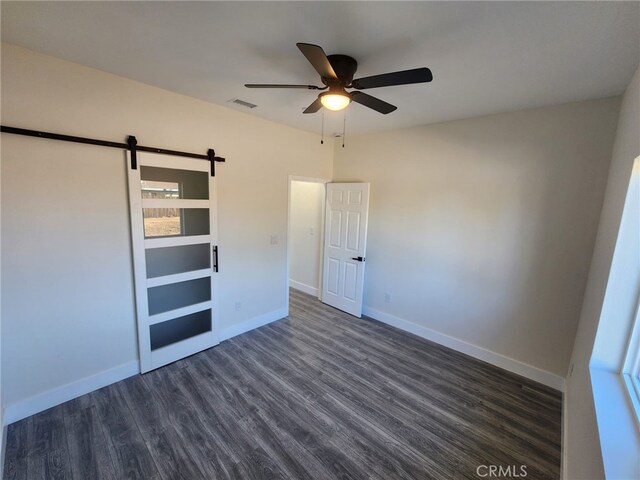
point(165, 261)
point(175, 222)
point(174, 236)
point(168, 183)
point(172, 184)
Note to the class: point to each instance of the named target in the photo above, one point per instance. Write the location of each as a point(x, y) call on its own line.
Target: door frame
point(323, 181)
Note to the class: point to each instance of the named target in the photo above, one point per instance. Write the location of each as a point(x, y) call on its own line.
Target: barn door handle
point(215, 258)
point(359, 259)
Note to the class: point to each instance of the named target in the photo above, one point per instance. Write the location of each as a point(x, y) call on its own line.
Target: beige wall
point(305, 230)
point(483, 229)
point(2, 429)
point(582, 454)
point(67, 290)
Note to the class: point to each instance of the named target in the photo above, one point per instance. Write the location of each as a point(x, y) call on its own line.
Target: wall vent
point(242, 103)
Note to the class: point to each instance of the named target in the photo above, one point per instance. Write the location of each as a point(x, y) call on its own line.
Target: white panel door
point(175, 257)
point(345, 243)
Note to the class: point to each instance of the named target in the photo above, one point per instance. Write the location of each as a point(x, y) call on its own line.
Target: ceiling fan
point(336, 73)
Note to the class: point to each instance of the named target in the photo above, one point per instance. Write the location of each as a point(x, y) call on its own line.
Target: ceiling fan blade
point(314, 107)
point(372, 102)
point(405, 77)
point(278, 85)
point(318, 59)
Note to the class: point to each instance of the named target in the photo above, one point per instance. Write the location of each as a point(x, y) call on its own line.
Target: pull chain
point(322, 134)
point(344, 126)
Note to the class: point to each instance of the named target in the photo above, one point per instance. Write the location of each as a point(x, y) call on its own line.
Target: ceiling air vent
point(242, 103)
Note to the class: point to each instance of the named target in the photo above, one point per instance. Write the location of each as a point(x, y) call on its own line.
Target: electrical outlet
point(312, 231)
point(238, 306)
point(273, 240)
point(387, 298)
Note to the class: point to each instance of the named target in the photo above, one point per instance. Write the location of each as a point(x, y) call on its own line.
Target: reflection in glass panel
point(162, 222)
point(171, 260)
point(171, 222)
point(173, 183)
point(172, 331)
point(177, 295)
point(151, 189)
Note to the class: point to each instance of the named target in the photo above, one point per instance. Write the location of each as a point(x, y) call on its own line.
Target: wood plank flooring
point(318, 395)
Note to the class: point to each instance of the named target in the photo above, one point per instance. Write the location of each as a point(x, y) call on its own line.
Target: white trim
point(298, 178)
point(563, 442)
point(633, 390)
point(303, 287)
point(233, 330)
point(177, 241)
point(533, 373)
point(174, 203)
point(162, 160)
point(617, 428)
point(3, 449)
point(181, 349)
point(179, 312)
point(56, 396)
point(139, 259)
point(214, 242)
point(178, 277)
point(564, 439)
point(631, 366)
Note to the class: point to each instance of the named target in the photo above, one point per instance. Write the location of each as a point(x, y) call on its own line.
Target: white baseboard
point(42, 401)
point(247, 325)
point(536, 374)
point(563, 442)
point(3, 450)
point(303, 287)
point(56, 396)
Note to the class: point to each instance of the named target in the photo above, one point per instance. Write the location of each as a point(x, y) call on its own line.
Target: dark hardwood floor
point(318, 395)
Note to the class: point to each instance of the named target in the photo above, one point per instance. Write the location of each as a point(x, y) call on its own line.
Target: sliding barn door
point(174, 237)
point(345, 244)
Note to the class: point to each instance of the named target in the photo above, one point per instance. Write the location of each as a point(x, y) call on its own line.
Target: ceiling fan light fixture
point(335, 100)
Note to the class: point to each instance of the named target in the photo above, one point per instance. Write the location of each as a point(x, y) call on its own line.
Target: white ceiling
point(486, 57)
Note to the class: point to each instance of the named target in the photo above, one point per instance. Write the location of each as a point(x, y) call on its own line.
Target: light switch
point(274, 240)
point(312, 231)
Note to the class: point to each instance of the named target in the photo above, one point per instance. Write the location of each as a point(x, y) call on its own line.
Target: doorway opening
point(326, 241)
point(305, 234)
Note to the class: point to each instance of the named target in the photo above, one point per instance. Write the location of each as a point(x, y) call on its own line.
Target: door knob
point(359, 259)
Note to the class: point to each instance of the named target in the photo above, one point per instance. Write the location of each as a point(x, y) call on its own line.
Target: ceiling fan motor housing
point(345, 68)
